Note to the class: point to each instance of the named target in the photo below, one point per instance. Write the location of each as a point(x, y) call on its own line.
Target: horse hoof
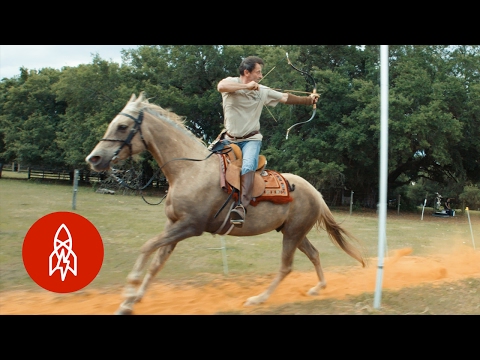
point(313, 292)
point(124, 310)
point(254, 300)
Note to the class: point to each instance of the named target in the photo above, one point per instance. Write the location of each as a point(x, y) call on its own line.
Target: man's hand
point(315, 97)
point(253, 85)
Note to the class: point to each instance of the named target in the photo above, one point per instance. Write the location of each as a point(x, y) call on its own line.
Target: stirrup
point(237, 215)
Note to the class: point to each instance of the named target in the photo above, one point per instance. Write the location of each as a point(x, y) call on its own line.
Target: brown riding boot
point(237, 215)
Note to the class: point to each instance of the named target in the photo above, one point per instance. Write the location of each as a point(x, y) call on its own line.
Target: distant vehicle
point(439, 209)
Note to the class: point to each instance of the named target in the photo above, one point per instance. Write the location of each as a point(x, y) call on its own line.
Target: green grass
point(126, 222)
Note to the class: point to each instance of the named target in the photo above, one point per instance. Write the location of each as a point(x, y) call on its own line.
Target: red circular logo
point(62, 252)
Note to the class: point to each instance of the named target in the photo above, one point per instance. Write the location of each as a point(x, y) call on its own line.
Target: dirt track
point(402, 269)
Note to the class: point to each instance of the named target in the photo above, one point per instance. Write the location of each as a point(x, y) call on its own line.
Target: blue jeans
point(250, 151)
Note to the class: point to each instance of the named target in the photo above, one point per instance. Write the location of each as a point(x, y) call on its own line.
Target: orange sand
point(401, 269)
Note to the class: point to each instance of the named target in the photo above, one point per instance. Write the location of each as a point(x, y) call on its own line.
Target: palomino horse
point(195, 196)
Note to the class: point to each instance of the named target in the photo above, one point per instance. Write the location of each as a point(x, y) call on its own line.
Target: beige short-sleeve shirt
point(242, 109)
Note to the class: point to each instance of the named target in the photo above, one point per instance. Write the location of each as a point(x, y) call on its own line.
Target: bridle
point(128, 141)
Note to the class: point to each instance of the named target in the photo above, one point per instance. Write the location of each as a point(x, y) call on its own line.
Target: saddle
point(268, 184)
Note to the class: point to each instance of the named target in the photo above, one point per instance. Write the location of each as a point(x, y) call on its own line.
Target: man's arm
point(227, 85)
point(291, 99)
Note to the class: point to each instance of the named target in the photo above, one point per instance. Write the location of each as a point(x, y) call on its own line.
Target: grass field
point(126, 222)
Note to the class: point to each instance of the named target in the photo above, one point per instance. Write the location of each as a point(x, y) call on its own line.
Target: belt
point(244, 137)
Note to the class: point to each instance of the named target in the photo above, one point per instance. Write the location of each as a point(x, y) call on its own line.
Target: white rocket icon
point(62, 257)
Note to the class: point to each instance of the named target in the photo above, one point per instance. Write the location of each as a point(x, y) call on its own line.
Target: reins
point(128, 142)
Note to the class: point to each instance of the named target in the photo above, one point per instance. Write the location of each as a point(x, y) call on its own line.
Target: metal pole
point(75, 189)
point(423, 209)
point(471, 232)
point(351, 202)
point(383, 170)
point(224, 255)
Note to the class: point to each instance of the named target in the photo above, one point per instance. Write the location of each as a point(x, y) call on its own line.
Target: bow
point(313, 92)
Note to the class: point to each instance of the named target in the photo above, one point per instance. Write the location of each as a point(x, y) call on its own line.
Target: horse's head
point(123, 137)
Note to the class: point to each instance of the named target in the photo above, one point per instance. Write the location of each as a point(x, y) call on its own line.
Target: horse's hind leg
point(132, 295)
point(308, 249)
point(289, 247)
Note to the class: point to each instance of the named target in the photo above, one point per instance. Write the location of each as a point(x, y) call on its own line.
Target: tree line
point(54, 118)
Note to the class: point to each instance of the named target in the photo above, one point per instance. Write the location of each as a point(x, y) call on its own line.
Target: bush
point(471, 197)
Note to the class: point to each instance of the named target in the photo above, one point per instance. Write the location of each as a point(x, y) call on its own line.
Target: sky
point(36, 57)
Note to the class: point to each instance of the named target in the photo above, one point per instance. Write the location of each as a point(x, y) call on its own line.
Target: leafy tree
point(183, 78)
point(471, 197)
point(463, 96)
point(55, 118)
point(31, 114)
point(95, 93)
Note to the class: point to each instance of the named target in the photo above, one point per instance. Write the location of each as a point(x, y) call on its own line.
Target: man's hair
point(249, 64)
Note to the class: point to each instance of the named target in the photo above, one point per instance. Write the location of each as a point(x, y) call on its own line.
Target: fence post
point(398, 204)
point(75, 188)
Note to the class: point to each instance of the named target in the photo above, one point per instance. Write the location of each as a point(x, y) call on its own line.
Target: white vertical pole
point(351, 201)
point(224, 255)
point(383, 178)
point(75, 189)
point(423, 209)
point(471, 232)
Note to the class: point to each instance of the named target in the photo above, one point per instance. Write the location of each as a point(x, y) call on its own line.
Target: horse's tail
point(337, 233)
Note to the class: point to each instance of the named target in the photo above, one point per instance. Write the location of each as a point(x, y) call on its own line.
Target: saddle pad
point(276, 189)
point(273, 188)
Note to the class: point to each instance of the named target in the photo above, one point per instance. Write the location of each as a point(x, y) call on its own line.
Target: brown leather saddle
point(234, 167)
point(268, 184)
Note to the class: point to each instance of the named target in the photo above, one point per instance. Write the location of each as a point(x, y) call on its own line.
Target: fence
point(50, 174)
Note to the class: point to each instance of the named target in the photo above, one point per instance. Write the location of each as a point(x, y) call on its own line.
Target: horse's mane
point(142, 103)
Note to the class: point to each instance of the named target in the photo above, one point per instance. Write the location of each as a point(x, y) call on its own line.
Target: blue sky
point(36, 57)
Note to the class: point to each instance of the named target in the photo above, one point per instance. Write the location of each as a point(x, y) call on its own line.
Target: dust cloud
point(401, 269)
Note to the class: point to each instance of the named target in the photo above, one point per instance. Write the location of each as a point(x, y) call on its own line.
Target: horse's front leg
point(133, 280)
point(166, 243)
point(157, 264)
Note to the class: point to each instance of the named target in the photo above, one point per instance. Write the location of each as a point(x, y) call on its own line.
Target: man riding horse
point(243, 99)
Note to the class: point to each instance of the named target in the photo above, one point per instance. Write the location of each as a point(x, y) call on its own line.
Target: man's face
point(255, 75)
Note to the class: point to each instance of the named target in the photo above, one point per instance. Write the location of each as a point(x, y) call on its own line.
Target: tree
point(183, 78)
point(95, 93)
point(56, 117)
point(31, 114)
